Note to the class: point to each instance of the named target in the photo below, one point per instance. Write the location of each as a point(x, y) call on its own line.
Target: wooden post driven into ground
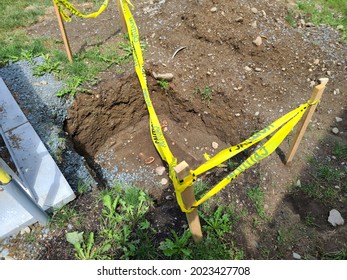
point(316, 95)
point(121, 17)
point(63, 33)
point(182, 170)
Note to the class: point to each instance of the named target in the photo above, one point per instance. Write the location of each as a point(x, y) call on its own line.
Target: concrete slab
point(37, 170)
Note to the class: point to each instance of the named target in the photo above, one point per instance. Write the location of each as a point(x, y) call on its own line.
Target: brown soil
point(251, 87)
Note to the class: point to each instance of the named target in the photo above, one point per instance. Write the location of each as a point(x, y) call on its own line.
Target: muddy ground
point(252, 85)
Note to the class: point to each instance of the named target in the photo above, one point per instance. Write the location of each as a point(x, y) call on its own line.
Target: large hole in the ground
point(110, 127)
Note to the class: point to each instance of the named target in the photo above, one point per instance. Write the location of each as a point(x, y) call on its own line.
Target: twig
point(179, 49)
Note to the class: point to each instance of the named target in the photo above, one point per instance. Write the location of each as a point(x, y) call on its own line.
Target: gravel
point(47, 113)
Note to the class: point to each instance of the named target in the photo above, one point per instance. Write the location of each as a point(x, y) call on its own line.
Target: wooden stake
point(316, 95)
point(188, 197)
point(121, 16)
point(63, 33)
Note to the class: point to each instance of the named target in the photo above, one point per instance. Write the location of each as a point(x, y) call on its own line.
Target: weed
point(205, 94)
point(324, 177)
point(200, 188)
point(83, 186)
point(18, 47)
point(340, 151)
point(310, 220)
point(163, 84)
point(72, 86)
point(290, 18)
point(30, 237)
point(218, 221)
point(232, 164)
point(85, 248)
point(338, 255)
point(61, 217)
point(47, 67)
point(177, 247)
point(256, 195)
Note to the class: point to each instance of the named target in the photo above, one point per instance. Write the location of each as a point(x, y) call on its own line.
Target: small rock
point(296, 256)
point(169, 197)
point(339, 27)
point(335, 218)
point(335, 130)
point(25, 230)
point(257, 69)
point(316, 61)
point(256, 113)
point(163, 76)
point(239, 19)
point(164, 181)
point(338, 119)
point(258, 41)
point(43, 82)
point(254, 10)
point(302, 22)
point(160, 170)
point(4, 253)
point(254, 24)
point(309, 24)
point(248, 69)
point(214, 9)
point(298, 183)
point(329, 73)
point(215, 145)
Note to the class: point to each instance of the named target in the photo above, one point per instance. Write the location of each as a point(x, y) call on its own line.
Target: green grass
point(324, 177)
point(64, 216)
point(330, 12)
point(327, 181)
point(20, 13)
point(340, 151)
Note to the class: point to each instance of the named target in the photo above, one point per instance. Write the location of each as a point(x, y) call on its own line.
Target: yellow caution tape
point(68, 6)
point(267, 149)
point(283, 126)
point(157, 135)
point(4, 177)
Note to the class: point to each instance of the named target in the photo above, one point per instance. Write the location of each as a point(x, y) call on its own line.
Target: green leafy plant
point(47, 67)
point(310, 220)
point(256, 195)
point(83, 186)
point(163, 84)
point(177, 246)
point(85, 248)
point(123, 220)
point(219, 221)
point(205, 93)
